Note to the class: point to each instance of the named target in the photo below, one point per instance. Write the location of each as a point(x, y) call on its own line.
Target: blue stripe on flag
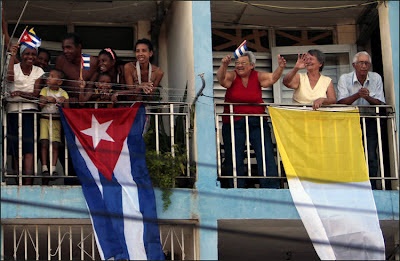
point(86, 61)
point(35, 40)
point(240, 51)
point(145, 188)
point(29, 44)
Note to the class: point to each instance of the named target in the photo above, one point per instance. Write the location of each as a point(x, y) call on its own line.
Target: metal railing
point(71, 241)
point(168, 131)
point(387, 148)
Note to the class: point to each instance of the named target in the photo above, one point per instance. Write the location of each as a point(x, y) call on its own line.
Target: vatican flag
point(323, 156)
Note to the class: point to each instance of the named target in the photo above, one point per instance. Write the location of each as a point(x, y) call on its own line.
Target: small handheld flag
point(86, 61)
point(30, 39)
point(85, 64)
point(240, 50)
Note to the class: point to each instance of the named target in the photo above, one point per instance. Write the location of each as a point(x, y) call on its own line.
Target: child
point(103, 91)
point(51, 96)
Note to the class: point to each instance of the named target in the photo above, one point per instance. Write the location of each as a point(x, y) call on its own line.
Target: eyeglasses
point(363, 63)
point(241, 63)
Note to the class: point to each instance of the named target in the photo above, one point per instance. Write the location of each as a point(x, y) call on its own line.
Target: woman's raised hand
point(301, 61)
point(226, 60)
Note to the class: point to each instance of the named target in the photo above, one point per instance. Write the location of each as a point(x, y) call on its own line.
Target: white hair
point(252, 57)
point(355, 58)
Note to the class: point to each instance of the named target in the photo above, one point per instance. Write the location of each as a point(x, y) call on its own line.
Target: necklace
point(139, 73)
point(26, 73)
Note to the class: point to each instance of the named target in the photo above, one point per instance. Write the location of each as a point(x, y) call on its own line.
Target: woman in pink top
point(311, 87)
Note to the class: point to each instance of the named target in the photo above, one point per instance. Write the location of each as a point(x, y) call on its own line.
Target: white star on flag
point(98, 131)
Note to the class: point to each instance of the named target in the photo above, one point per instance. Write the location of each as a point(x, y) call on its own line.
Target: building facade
point(206, 221)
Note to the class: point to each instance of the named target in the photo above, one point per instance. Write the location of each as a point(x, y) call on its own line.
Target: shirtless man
point(70, 63)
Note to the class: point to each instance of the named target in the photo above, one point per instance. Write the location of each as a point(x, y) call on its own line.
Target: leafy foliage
point(163, 170)
point(163, 166)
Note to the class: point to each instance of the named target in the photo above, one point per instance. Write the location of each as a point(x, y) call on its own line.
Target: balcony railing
point(387, 148)
point(168, 131)
point(67, 240)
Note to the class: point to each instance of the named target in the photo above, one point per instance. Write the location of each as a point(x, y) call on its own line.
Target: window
point(99, 37)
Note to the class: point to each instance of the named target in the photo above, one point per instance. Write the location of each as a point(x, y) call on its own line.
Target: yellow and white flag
point(324, 161)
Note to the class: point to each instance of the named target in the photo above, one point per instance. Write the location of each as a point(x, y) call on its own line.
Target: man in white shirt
point(362, 87)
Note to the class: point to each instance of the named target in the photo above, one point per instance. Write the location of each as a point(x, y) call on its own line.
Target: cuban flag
point(108, 151)
point(240, 50)
point(328, 179)
point(30, 39)
point(85, 61)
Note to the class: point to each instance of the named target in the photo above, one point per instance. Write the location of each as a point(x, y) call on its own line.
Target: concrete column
point(390, 96)
point(386, 53)
point(345, 34)
point(143, 29)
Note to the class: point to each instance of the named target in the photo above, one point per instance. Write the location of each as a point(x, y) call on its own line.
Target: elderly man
point(362, 87)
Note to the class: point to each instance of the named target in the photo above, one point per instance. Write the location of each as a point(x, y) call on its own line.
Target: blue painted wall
point(68, 202)
point(205, 129)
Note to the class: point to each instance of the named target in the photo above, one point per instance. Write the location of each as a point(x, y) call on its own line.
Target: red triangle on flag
point(25, 37)
point(102, 133)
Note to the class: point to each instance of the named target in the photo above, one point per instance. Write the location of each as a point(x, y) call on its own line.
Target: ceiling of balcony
point(287, 13)
point(224, 13)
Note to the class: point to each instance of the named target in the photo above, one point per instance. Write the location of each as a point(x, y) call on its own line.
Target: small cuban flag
point(85, 61)
point(240, 50)
point(30, 39)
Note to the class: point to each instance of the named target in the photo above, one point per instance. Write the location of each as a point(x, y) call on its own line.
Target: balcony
point(387, 149)
point(70, 239)
point(170, 133)
point(168, 136)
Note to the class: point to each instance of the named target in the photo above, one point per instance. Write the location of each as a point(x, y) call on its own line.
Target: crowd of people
point(33, 84)
point(107, 81)
point(244, 85)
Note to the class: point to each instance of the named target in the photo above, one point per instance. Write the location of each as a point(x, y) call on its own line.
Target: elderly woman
point(244, 85)
point(311, 87)
point(24, 87)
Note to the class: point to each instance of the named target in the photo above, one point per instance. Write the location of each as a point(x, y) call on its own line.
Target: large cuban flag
point(328, 179)
point(108, 153)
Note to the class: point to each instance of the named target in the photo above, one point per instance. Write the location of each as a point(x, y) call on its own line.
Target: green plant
point(163, 170)
point(164, 167)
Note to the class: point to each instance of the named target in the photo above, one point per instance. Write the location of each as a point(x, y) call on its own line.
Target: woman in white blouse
point(23, 89)
point(311, 87)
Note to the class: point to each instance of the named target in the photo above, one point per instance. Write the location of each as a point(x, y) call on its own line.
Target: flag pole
point(16, 25)
point(80, 70)
point(5, 65)
point(243, 43)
